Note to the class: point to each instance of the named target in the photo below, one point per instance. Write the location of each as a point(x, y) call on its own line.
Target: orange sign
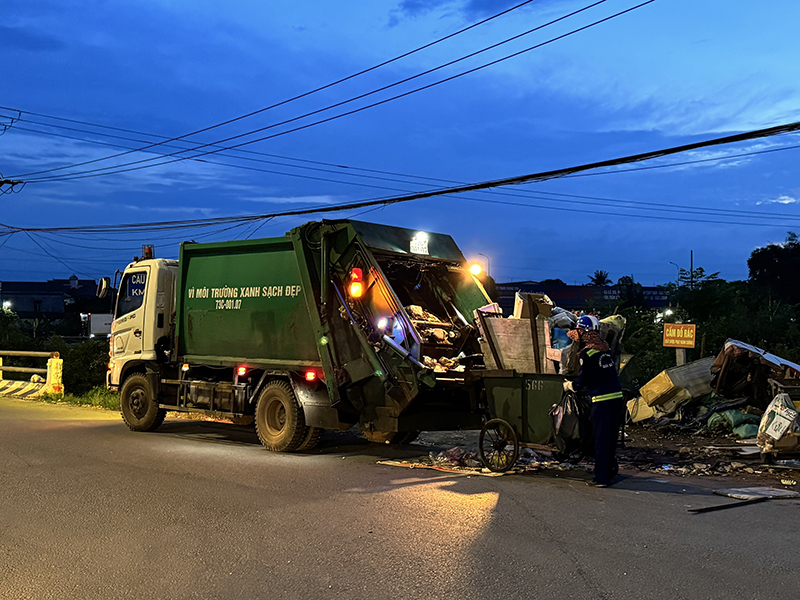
point(679, 335)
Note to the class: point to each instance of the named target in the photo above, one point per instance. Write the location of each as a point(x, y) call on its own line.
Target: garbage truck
point(338, 323)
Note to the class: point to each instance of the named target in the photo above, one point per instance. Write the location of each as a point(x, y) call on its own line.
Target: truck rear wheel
point(312, 439)
point(138, 404)
point(280, 423)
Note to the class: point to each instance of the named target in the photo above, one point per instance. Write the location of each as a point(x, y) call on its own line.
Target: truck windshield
point(131, 293)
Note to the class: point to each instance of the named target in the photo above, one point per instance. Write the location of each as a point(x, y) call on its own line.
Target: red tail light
point(356, 283)
point(241, 371)
point(311, 375)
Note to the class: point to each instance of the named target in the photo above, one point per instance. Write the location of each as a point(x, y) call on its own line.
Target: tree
point(630, 292)
point(775, 267)
point(551, 282)
point(695, 278)
point(600, 278)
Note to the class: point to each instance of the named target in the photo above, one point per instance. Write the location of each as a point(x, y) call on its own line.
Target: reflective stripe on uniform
point(611, 396)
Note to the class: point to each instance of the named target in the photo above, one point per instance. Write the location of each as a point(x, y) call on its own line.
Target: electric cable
point(541, 176)
point(326, 86)
point(525, 193)
point(131, 166)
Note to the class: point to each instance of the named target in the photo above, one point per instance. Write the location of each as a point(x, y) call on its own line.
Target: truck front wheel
point(138, 404)
point(280, 422)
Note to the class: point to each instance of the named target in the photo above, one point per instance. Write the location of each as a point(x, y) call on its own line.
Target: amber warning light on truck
point(356, 283)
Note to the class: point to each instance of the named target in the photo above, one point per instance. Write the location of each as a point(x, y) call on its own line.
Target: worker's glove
point(568, 386)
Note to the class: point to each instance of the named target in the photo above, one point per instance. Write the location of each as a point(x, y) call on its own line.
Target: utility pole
point(488, 264)
point(691, 269)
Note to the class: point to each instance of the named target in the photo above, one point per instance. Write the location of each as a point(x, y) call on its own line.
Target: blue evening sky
point(669, 73)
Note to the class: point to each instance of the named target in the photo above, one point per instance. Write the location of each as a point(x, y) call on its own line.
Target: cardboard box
point(523, 302)
point(639, 410)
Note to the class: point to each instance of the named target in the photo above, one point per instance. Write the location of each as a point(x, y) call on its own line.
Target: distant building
point(47, 299)
point(574, 297)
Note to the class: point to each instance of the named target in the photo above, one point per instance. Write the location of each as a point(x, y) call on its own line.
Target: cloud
point(470, 10)
point(38, 155)
point(18, 38)
point(783, 199)
point(325, 199)
point(413, 9)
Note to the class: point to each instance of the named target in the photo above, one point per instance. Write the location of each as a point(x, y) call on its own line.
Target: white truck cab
point(143, 316)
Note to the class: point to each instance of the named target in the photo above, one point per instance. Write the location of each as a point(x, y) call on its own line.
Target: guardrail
point(15, 388)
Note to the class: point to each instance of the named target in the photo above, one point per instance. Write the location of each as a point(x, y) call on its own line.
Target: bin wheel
point(498, 446)
point(280, 422)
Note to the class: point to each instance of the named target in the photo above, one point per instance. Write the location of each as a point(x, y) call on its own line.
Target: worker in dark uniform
point(598, 378)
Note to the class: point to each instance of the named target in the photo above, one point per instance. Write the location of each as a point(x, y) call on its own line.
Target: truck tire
point(312, 439)
point(280, 422)
point(138, 404)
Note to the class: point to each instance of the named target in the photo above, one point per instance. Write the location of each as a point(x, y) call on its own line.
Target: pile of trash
point(533, 339)
point(444, 364)
point(724, 395)
point(433, 330)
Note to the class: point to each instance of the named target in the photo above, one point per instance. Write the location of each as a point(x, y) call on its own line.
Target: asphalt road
point(200, 510)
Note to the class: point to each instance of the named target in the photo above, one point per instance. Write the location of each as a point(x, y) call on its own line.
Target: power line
point(128, 167)
point(529, 194)
point(541, 176)
point(315, 90)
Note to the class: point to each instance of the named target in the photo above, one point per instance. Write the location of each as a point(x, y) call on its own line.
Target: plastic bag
point(780, 426)
point(571, 424)
point(732, 418)
point(563, 319)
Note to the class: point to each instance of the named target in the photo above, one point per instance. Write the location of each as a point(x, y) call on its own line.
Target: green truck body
point(335, 324)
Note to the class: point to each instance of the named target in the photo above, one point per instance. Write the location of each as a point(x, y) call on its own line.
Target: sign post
point(680, 336)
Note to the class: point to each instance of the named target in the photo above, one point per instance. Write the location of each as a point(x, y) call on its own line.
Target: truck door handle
point(137, 332)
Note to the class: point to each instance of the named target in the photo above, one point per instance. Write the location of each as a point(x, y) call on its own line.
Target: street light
point(7, 304)
point(678, 277)
point(488, 264)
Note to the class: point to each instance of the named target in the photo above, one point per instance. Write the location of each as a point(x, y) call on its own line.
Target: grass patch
point(99, 396)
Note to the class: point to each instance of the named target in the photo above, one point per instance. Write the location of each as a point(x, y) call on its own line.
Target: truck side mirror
point(102, 287)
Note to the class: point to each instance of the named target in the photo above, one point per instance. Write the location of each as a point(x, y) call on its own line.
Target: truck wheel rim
point(138, 403)
point(276, 417)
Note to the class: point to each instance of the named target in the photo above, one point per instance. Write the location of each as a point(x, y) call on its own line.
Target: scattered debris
point(673, 387)
point(726, 506)
point(748, 495)
point(460, 460)
point(751, 493)
point(744, 370)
